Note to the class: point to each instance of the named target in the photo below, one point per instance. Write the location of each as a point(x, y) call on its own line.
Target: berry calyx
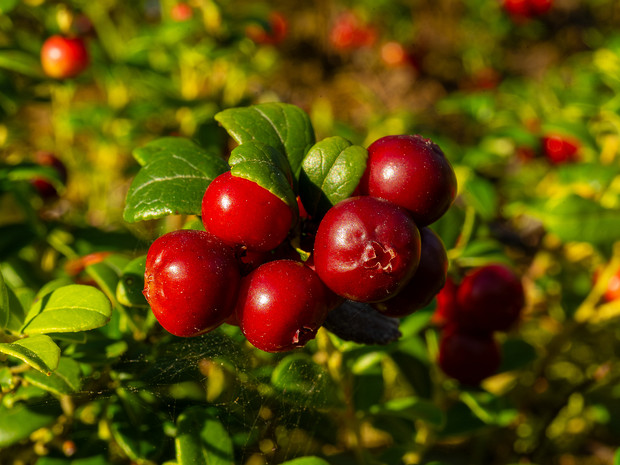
point(366, 249)
point(489, 298)
point(281, 305)
point(191, 281)
point(412, 172)
point(468, 357)
point(426, 282)
point(242, 213)
point(64, 57)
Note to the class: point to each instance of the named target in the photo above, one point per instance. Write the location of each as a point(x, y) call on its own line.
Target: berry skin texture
point(366, 249)
point(281, 305)
point(427, 281)
point(412, 172)
point(489, 298)
point(64, 57)
point(242, 213)
point(468, 357)
point(191, 281)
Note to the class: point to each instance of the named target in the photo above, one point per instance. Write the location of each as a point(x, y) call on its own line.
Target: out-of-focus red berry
point(559, 149)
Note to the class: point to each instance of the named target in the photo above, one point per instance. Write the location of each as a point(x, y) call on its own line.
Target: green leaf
point(68, 309)
point(106, 278)
point(481, 194)
point(7, 5)
point(265, 166)
point(283, 126)
point(516, 353)
point(131, 284)
point(38, 351)
point(21, 420)
point(7, 382)
point(330, 172)
point(617, 457)
point(303, 382)
point(95, 460)
point(172, 182)
point(52, 286)
point(489, 408)
point(574, 218)
point(21, 62)
point(66, 379)
point(5, 310)
point(202, 439)
point(412, 408)
point(311, 460)
point(17, 314)
point(163, 146)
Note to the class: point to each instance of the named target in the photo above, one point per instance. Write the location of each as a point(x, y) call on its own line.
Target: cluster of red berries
point(374, 247)
point(488, 299)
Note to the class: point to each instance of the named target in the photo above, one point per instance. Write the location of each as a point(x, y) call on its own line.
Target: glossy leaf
point(5, 310)
point(265, 166)
point(21, 420)
point(38, 351)
point(172, 182)
point(131, 284)
point(68, 309)
point(202, 439)
point(66, 379)
point(330, 172)
point(163, 146)
point(283, 126)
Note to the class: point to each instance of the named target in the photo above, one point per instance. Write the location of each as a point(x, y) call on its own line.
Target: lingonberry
point(468, 357)
point(272, 34)
point(181, 12)
point(64, 57)
point(446, 304)
point(242, 213)
point(281, 305)
point(191, 281)
point(559, 149)
point(349, 32)
point(523, 10)
point(412, 172)
point(427, 281)
point(612, 289)
point(489, 298)
point(366, 249)
point(45, 188)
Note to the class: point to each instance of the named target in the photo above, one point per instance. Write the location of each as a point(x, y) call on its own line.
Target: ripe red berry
point(45, 188)
point(489, 298)
point(612, 291)
point(412, 172)
point(64, 57)
point(242, 213)
point(191, 281)
point(427, 281)
point(274, 34)
point(181, 12)
point(281, 305)
point(366, 249)
point(468, 357)
point(349, 32)
point(446, 304)
point(560, 149)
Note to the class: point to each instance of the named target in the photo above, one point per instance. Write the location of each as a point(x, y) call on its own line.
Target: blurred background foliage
point(526, 109)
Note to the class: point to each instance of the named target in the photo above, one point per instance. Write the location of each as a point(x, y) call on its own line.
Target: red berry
point(427, 281)
point(489, 298)
point(468, 357)
point(181, 12)
point(412, 172)
point(64, 57)
point(43, 186)
point(281, 305)
point(560, 149)
point(613, 288)
point(349, 33)
point(446, 304)
point(274, 34)
point(242, 213)
point(366, 249)
point(191, 281)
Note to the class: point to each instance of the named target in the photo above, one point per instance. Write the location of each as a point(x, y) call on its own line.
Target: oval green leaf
point(16, 314)
point(202, 439)
point(21, 420)
point(66, 379)
point(39, 351)
point(283, 126)
point(172, 182)
point(68, 309)
point(163, 146)
point(330, 172)
point(5, 310)
point(265, 166)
